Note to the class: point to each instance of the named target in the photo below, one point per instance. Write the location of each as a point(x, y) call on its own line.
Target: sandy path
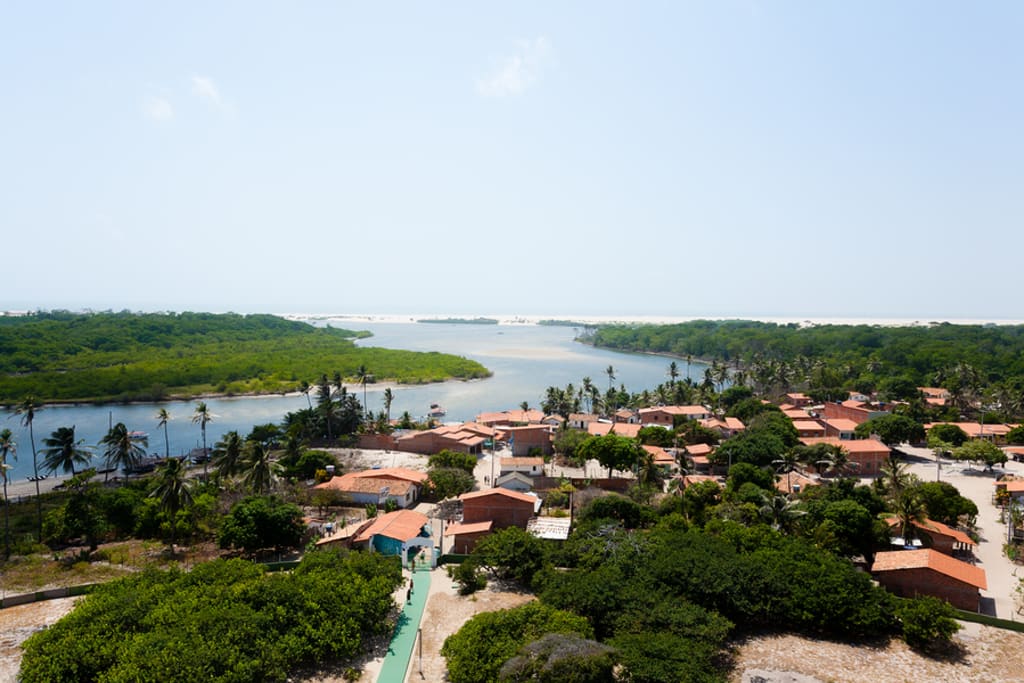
point(18, 623)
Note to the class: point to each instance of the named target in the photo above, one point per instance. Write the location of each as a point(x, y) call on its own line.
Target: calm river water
point(525, 360)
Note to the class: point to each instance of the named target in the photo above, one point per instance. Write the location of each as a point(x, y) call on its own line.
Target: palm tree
point(364, 375)
point(28, 409)
point(909, 508)
point(163, 417)
point(388, 398)
point(63, 452)
point(785, 465)
point(227, 454)
point(673, 373)
point(260, 471)
point(124, 449)
point(173, 492)
point(7, 447)
point(780, 512)
point(202, 416)
point(896, 476)
point(610, 371)
point(304, 389)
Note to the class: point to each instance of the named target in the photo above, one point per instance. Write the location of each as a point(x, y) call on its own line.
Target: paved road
point(396, 662)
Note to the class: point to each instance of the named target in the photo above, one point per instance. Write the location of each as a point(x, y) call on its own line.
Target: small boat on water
point(436, 411)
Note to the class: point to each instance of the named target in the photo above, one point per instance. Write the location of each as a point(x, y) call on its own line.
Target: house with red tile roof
point(868, 454)
point(581, 420)
point(465, 536)
point(840, 428)
point(665, 416)
point(795, 482)
point(502, 507)
point(662, 458)
point(508, 418)
point(809, 428)
point(393, 532)
point(939, 536)
point(620, 428)
point(996, 433)
point(531, 467)
point(399, 485)
point(458, 438)
point(726, 427)
point(909, 573)
point(857, 411)
point(798, 400)
point(796, 414)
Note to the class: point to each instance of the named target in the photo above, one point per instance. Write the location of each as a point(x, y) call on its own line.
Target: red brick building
point(909, 573)
point(869, 454)
point(502, 507)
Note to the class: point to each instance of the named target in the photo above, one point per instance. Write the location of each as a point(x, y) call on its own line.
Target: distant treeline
point(996, 352)
point(61, 356)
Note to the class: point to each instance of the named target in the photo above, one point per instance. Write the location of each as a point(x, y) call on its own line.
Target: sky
point(720, 159)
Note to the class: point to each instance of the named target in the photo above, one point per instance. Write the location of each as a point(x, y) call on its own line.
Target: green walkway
point(401, 649)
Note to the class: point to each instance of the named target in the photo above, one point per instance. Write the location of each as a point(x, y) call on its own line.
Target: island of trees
point(60, 356)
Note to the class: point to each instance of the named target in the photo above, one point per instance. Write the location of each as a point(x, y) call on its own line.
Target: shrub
point(928, 623)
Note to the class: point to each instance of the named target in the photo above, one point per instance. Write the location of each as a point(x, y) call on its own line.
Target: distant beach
point(508, 319)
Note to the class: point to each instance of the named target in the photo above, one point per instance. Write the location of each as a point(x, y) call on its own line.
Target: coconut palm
point(7, 448)
point(124, 449)
point(780, 512)
point(202, 417)
point(673, 373)
point(163, 417)
point(786, 464)
point(364, 376)
point(63, 452)
point(27, 409)
point(173, 492)
point(389, 396)
point(909, 508)
point(261, 472)
point(304, 388)
point(895, 476)
point(610, 371)
point(227, 455)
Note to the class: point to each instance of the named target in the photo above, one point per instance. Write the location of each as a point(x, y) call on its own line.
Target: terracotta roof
point(660, 454)
point(401, 525)
point(937, 527)
point(897, 560)
point(800, 482)
point(841, 424)
point(699, 449)
point(676, 410)
point(459, 528)
point(583, 417)
point(734, 423)
point(415, 476)
point(515, 495)
point(691, 479)
point(795, 414)
point(852, 446)
point(808, 425)
point(619, 428)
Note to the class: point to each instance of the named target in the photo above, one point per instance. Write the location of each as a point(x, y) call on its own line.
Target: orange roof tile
point(415, 476)
point(401, 525)
point(515, 495)
point(897, 560)
point(937, 527)
point(459, 528)
point(353, 484)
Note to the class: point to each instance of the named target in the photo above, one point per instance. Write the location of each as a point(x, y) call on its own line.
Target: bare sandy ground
point(989, 656)
point(18, 623)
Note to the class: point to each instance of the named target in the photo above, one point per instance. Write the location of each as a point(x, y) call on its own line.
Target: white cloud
point(517, 72)
point(204, 88)
point(157, 109)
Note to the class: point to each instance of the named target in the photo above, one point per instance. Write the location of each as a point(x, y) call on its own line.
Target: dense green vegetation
point(62, 356)
point(982, 366)
point(222, 621)
point(665, 586)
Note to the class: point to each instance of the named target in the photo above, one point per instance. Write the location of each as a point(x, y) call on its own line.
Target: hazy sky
point(715, 158)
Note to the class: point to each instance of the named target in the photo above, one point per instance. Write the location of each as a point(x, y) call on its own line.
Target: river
point(525, 360)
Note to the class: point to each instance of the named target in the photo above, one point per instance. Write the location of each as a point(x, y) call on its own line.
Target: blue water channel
point(525, 360)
